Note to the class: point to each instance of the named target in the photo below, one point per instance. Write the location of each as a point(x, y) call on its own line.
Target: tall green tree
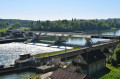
point(117, 53)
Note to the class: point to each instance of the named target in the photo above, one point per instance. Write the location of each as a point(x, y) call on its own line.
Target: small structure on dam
point(25, 56)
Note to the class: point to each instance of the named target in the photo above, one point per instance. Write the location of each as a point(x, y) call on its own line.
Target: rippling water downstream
point(11, 51)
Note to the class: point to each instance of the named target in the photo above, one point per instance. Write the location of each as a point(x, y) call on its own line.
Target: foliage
point(117, 53)
point(77, 69)
point(29, 41)
point(105, 50)
point(16, 25)
point(10, 22)
point(36, 76)
point(2, 32)
point(76, 25)
point(115, 58)
point(63, 25)
point(24, 28)
point(53, 53)
point(112, 60)
point(110, 72)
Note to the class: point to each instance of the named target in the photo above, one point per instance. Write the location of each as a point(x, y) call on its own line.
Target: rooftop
point(64, 74)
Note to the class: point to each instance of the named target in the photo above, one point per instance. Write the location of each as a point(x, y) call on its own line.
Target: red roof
point(65, 74)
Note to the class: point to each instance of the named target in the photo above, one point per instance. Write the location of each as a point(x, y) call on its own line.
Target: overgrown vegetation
point(36, 76)
point(105, 50)
point(53, 53)
point(115, 57)
point(110, 72)
point(24, 28)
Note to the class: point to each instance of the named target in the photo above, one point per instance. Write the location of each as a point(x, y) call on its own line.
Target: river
point(11, 51)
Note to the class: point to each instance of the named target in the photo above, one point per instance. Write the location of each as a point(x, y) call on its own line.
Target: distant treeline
point(62, 25)
point(10, 22)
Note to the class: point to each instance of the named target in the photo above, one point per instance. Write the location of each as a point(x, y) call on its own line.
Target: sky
point(59, 9)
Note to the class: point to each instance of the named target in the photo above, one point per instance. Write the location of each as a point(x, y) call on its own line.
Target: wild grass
point(2, 30)
point(24, 28)
point(36, 76)
point(109, 72)
point(53, 53)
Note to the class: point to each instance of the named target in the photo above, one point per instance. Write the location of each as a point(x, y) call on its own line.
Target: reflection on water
point(21, 75)
point(115, 32)
point(82, 41)
point(11, 51)
point(76, 40)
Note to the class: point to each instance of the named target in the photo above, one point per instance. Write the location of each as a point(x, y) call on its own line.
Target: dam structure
point(26, 62)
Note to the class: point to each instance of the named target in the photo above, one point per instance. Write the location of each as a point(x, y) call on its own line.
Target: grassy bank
point(2, 30)
point(34, 76)
point(109, 72)
point(24, 28)
point(53, 53)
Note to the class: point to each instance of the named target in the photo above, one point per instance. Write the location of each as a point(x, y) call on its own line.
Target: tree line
point(73, 25)
point(76, 25)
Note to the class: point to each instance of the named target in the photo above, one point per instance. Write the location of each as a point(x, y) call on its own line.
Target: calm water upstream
point(11, 51)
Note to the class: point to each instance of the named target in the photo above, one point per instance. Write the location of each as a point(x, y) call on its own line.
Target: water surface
point(21, 75)
point(11, 51)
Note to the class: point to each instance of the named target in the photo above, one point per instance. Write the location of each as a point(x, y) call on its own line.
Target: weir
point(36, 62)
point(12, 40)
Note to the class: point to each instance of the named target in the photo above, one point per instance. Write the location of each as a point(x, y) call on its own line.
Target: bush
point(105, 50)
point(112, 60)
point(117, 53)
point(77, 70)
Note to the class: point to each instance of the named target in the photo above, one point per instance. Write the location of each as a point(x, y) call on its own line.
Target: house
point(89, 62)
point(65, 74)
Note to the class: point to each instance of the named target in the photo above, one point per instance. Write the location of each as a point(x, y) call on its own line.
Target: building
point(89, 62)
point(65, 74)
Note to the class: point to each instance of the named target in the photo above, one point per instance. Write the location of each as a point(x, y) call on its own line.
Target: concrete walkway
point(46, 75)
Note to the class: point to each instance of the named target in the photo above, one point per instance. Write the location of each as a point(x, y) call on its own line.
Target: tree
point(105, 50)
point(16, 25)
point(117, 53)
point(113, 60)
point(32, 27)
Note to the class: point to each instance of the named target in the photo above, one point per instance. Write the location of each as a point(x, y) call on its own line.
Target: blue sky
point(59, 9)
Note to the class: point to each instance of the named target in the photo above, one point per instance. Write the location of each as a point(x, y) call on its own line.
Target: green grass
point(113, 28)
point(53, 53)
point(24, 28)
point(2, 30)
point(29, 41)
point(34, 76)
point(109, 72)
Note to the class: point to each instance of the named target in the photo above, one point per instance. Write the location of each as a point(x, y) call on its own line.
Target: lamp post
point(65, 52)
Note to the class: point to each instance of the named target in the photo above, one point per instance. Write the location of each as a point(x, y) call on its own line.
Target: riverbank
point(12, 40)
point(67, 34)
point(110, 72)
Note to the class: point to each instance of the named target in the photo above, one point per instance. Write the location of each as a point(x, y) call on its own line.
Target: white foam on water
point(11, 51)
